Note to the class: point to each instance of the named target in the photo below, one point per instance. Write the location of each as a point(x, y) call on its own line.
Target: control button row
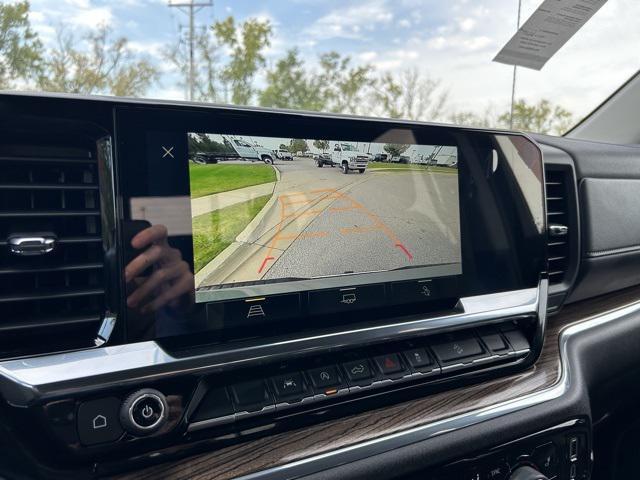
point(223, 405)
point(444, 353)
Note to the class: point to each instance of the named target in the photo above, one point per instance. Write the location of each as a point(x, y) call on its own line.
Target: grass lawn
point(412, 166)
point(215, 231)
point(216, 178)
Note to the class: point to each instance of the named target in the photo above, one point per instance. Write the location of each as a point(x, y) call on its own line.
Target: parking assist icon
point(256, 311)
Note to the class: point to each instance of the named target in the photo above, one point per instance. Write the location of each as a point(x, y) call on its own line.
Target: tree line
point(99, 62)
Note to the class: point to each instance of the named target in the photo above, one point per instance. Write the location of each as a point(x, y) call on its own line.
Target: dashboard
point(178, 294)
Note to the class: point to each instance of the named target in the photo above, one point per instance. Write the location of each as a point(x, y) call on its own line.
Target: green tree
point(343, 86)
point(541, 117)
point(247, 42)
point(106, 66)
point(290, 86)
point(321, 144)
point(486, 119)
point(202, 142)
point(298, 145)
point(409, 95)
point(283, 147)
point(207, 84)
point(20, 48)
point(395, 149)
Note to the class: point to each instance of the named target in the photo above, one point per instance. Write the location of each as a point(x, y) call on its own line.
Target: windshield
point(348, 148)
point(409, 59)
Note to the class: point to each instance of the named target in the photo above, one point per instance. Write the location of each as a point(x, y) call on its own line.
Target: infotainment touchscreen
point(274, 215)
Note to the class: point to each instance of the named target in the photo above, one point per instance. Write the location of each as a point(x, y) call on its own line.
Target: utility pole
point(513, 82)
point(191, 8)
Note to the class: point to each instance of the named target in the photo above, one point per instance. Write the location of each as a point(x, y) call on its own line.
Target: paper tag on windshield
point(552, 24)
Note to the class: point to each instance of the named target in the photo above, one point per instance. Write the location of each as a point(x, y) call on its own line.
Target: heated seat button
point(418, 358)
point(456, 350)
point(389, 364)
point(251, 396)
point(545, 457)
point(143, 412)
point(98, 421)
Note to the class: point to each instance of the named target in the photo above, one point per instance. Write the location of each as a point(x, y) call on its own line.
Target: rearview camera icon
point(348, 298)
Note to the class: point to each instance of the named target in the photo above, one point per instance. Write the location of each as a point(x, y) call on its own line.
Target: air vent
point(51, 299)
point(558, 220)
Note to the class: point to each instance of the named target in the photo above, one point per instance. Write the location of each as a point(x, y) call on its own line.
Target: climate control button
point(144, 412)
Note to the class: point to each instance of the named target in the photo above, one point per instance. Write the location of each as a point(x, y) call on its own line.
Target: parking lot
point(379, 220)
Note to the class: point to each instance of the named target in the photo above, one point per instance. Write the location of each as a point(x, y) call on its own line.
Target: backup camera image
point(267, 210)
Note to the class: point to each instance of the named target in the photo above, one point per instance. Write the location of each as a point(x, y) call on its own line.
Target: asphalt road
point(323, 222)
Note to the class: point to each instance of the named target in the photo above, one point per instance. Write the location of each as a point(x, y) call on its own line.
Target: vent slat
point(69, 240)
point(51, 294)
point(53, 268)
point(45, 322)
point(50, 213)
point(67, 160)
point(54, 301)
point(557, 207)
point(48, 186)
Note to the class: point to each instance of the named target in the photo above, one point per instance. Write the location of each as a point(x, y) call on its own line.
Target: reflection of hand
point(171, 282)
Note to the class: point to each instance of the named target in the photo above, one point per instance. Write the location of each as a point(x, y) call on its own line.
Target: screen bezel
point(507, 253)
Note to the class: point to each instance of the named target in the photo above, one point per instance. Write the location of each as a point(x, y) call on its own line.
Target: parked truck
point(346, 156)
point(251, 151)
point(213, 148)
point(283, 154)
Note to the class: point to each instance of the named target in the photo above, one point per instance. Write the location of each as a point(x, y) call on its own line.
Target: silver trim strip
point(25, 381)
point(387, 443)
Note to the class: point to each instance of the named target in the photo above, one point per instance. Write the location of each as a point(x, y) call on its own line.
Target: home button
point(98, 421)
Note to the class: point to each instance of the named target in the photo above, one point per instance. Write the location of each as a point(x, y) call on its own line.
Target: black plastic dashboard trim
point(29, 381)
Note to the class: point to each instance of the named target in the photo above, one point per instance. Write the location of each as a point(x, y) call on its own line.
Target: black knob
point(527, 473)
point(144, 411)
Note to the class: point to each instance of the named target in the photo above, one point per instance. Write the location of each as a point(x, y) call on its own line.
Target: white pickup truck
point(283, 154)
point(251, 152)
point(346, 156)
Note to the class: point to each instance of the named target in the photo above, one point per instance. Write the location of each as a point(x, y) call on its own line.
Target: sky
point(450, 40)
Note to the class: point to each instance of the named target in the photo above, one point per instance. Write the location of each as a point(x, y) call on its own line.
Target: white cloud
point(367, 56)
point(92, 17)
point(466, 24)
point(154, 48)
point(349, 22)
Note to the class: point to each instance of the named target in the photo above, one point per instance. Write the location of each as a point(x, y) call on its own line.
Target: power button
point(144, 411)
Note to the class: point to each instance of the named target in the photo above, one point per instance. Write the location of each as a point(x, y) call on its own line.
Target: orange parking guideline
point(285, 201)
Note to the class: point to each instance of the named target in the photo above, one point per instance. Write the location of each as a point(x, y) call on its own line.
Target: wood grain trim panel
point(286, 447)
